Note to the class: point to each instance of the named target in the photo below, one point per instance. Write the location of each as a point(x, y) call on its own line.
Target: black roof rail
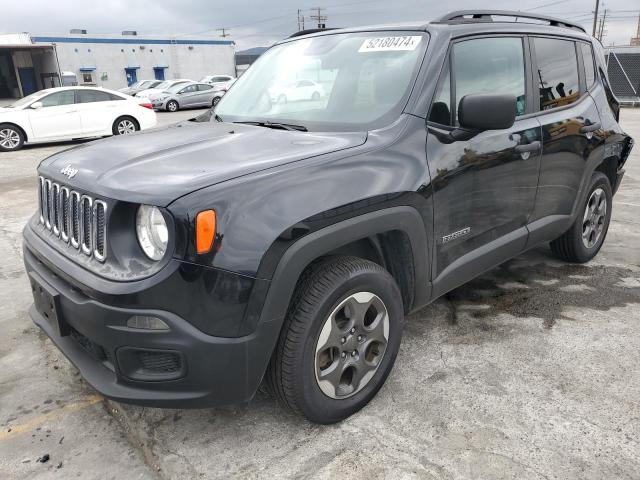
point(487, 16)
point(309, 31)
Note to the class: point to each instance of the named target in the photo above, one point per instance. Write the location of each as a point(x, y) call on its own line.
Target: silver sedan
point(185, 95)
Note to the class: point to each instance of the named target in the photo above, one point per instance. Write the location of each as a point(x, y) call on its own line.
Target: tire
point(172, 106)
point(316, 96)
point(125, 126)
point(11, 138)
point(300, 363)
point(216, 101)
point(584, 239)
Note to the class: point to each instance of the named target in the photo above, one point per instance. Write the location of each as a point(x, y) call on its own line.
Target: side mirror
point(487, 112)
point(36, 105)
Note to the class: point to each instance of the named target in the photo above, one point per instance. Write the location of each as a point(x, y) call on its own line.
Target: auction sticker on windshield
point(385, 44)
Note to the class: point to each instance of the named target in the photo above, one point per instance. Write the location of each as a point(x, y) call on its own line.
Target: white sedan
point(67, 113)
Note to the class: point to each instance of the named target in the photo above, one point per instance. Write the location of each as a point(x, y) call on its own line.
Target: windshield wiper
point(283, 126)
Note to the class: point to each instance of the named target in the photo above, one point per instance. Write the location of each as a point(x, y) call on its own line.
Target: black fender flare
point(312, 246)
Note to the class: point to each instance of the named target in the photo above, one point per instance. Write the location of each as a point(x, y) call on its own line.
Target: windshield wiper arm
point(283, 126)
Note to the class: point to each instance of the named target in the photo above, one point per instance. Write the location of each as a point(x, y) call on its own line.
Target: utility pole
point(595, 17)
point(321, 19)
point(602, 26)
point(224, 33)
point(300, 20)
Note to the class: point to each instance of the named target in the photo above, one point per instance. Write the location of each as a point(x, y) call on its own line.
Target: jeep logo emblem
point(69, 171)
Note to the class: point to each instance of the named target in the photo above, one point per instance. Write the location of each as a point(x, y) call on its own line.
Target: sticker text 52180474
point(385, 44)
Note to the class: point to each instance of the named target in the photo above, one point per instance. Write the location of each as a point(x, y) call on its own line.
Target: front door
point(27, 80)
point(58, 117)
point(483, 188)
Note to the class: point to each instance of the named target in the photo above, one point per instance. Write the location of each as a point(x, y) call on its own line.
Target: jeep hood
point(158, 166)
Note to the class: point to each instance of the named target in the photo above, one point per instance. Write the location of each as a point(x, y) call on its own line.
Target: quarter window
point(589, 69)
point(57, 99)
point(557, 72)
point(441, 108)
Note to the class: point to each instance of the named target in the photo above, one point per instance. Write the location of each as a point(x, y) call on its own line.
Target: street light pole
point(595, 17)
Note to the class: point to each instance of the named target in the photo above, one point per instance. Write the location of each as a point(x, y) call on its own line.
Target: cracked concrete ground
point(531, 371)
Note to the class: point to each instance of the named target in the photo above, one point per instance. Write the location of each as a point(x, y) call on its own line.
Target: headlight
point(152, 231)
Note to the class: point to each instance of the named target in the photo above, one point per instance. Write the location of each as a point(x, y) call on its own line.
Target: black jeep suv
point(348, 178)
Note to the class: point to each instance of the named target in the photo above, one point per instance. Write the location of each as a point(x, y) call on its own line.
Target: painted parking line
point(47, 417)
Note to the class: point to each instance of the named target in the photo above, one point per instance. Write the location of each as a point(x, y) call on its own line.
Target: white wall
point(112, 58)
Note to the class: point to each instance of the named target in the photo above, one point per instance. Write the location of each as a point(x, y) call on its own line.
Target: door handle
point(590, 127)
point(528, 147)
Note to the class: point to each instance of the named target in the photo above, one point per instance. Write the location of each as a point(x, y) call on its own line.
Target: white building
point(32, 62)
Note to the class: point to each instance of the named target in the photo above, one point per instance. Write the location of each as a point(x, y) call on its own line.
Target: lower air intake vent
point(151, 365)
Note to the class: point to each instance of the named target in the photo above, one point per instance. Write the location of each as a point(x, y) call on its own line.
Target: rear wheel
point(172, 106)
point(584, 239)
point(339, 341)
point(11, 138)
point(125, 126)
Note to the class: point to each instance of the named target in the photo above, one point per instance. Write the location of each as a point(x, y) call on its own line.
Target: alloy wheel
point(595, 216)
point(351, 345)
point(126, 127)
point(9, 138)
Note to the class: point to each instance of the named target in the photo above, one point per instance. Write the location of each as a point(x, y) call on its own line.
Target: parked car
point(288, 242)
point(184, 95)
point(140, 86)
point(218, 80)
point(161, 87)
point(67, 113)
point(296, 91)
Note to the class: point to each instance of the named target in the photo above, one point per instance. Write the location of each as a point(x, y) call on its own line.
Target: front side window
point(57, 99)
point(490, 65)
point(189, 89)
point(557, 72)
point(356, 81)
point(589, 69)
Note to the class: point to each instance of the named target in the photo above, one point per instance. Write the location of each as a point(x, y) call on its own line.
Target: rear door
point(205, 94)
point(98, 110)
point(483, 188)
point(571, 132)
point(58, 117)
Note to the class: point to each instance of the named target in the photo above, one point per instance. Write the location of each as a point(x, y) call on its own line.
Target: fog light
point(147, 323)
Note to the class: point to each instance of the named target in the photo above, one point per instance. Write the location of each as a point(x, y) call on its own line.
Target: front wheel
point(125, 126)
point(339, 341)
point(216, 101)
point(11, 138)
point(172, 106)
point(584, 239)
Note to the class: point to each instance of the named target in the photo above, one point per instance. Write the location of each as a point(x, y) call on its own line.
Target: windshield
point(330, 82)
point(146, 83)
point(28, 99)
point(163, 85)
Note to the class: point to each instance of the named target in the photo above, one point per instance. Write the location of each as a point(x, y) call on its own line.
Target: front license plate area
point(47, 303)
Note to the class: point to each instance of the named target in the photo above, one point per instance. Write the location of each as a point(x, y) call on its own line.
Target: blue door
point(132, 76)
point(159, 72)
point(27, 80)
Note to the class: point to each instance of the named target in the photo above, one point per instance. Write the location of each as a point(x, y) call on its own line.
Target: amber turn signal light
point(205, 231)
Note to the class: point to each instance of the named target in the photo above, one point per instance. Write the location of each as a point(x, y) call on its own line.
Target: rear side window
point(92, 96)
point(589, 68)
point(202, 87)
point(482, 65)
point(557, 74)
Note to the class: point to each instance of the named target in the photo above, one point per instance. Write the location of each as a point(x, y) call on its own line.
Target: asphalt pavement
point(531, 371)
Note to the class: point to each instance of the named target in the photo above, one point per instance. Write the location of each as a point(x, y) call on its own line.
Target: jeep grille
point(74, 218)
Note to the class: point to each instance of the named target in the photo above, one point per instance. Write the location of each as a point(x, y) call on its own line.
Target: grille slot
point(159, 362)
point(74, 218)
